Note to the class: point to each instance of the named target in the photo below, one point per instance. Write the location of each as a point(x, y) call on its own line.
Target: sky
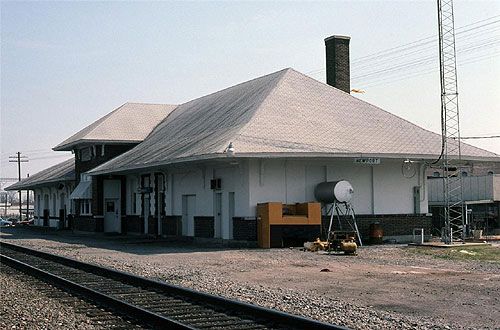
point(66, 64)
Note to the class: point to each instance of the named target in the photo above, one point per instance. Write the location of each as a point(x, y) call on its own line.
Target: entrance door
point(112, 222)
point(231, 215)
point(218, 215)
point(62, 212)
point(188, 210)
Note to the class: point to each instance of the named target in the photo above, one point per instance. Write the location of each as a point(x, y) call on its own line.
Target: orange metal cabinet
point(276, 213)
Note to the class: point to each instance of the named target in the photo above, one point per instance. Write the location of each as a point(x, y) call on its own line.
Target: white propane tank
point(329, 192)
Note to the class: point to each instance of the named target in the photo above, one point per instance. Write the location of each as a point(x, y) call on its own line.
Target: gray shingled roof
point(61, 172)
point(131, 122)
point(284, 113)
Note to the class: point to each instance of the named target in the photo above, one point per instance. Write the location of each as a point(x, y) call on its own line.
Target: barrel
point(376, 233)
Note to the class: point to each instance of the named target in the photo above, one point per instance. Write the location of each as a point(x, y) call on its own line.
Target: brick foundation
point(244, 230)
point(152, 225)
point(83, 223)
point(172, 225)
point(392, 224)
point(204, 227)
point(134, 224)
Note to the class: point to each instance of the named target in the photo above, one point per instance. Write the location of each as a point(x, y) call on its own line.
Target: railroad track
point(150, 302)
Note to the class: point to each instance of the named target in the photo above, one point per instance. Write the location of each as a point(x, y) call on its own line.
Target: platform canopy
point(54, 175)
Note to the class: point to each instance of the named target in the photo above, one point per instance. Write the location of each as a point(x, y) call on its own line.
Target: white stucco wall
point(379, 189)
point(195, 180)
point(47, 200)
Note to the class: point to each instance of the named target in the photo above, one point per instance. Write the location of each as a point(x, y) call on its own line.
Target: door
point(62, 212)
point(146, 212)
point(218, 215)
point(188, 210)
point(231, 214)
point(112, 209)
point(112, 222)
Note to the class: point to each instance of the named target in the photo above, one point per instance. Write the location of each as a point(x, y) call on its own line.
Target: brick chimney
point(337, 62)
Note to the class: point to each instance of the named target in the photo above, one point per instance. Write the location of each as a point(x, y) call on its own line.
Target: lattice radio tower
point(450, 126)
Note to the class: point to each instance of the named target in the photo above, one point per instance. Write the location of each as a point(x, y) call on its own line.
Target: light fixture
point(230, 150)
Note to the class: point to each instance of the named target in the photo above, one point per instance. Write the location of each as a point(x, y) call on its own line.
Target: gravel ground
point(27, 303)
point(383, 287)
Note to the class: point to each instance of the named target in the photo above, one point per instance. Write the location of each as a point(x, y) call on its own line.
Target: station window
point(85, 206)
point(85, 154)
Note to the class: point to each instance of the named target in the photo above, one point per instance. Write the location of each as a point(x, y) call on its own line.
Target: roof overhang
point(87, 142)
point(82, 191)
point(274, 155)
point(39, 184)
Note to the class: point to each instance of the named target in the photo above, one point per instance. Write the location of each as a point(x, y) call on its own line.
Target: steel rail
point(141, 314)
point(260, 314)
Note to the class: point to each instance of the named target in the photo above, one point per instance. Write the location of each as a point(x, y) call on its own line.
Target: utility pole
point(27, 202)
point(450, 126)
point(6, 198)
point(19, 159)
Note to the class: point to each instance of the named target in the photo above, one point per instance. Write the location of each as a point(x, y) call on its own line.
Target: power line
point(389, 58)
point(426, 40)
point(371, 59)
point(388, 80)
point(479, 137)
point(423, 60)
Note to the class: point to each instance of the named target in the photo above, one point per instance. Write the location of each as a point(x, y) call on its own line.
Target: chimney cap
point(337, 37)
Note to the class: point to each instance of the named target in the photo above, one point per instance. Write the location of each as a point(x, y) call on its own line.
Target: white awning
point(82, 191)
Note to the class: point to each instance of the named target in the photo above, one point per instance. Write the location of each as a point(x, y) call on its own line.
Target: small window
point(85, 177)
point(134, 203)
point(85, 207)
point(110, 206)
point(464, 174)
point(490, 172)
point(435, 174)
point(85, 154)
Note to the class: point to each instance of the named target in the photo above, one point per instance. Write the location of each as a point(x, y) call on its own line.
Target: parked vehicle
point(29, 222)
point(5, 223)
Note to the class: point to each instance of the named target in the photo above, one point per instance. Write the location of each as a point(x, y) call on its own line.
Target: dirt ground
point(390, 280)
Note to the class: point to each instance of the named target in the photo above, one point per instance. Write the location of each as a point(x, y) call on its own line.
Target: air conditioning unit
point(216, 184)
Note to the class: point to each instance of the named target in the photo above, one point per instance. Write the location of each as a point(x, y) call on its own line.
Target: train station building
point(200, 169)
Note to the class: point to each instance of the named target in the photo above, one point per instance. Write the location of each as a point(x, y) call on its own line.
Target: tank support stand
point(347, 214)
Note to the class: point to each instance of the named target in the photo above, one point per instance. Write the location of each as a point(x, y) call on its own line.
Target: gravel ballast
point(382, 288)
point(28, 303)
point(25, 307)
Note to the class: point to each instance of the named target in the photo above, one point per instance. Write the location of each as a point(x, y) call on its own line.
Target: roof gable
point(131, 122)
